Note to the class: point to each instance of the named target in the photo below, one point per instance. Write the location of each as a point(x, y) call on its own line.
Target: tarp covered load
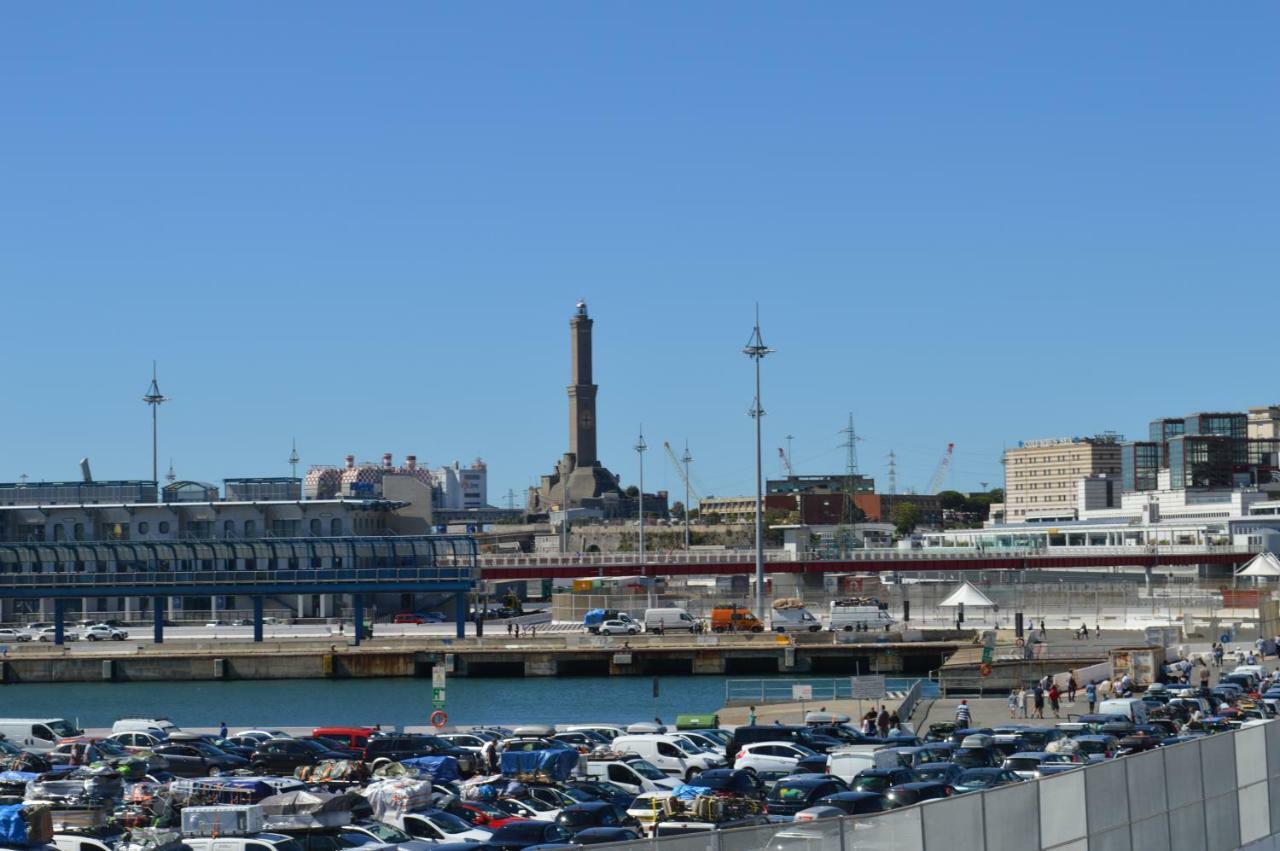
point(85, 786)
point(233, 820)
point(391, 799)
point(333, 771)
point(441, 769)
point(22, 825)
point(305, 810)
point(221, 790)
point(546, 766)
point(593, 617)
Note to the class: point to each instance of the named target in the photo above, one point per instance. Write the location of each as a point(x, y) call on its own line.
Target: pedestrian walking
point(1204, 678)
point(489, 753)
point(962, 714)
point(1022, 702)
point(1091, 695)
point(1013, 703)
point(1054, 697)
point(222, 730)
point(751, 716)
point(869, 723)
point(508, 627)
point(1042, 629)
point(517, 630)
point(1097, 630)
point(882, 721)
point(1039, 702)
point(1071, 688)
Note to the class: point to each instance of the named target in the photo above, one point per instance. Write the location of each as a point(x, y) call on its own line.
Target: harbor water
point(389, 702)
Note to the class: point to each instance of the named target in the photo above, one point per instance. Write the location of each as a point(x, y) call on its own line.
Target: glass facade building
point(1140, 466)
point(1201, 461)
point(77, 493)
point(1161, 430)
point(279, 489)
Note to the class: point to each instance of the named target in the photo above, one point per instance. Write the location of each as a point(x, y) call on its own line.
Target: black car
point(913, 793)
point(603, 835)
point(594, 814)
point(397, 748)
point(947, 773)
point(331, 744)
point(977, 757)
point(856, 803)
point(518, 835)
point(879, 780)
point(198, 759)
point(731, 781)
point(603, 790)
point(283, 756)
point(790, 795)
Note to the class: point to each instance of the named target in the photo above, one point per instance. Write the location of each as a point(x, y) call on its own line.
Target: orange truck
point(734, 619)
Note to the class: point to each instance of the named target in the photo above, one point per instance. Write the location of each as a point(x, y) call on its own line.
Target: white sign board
point(437, 676)
point(867, 688)
point(802, 692)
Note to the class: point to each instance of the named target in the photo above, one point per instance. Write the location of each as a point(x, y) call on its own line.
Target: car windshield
point(62, 729)
point(1022, 764)
point(790, 792)
point(449, 823)
point(577, 794)
point(687, 746)
point(288, 845)
point(805, 751)
point(312, 746)
point(577, 818)
point(536, 804)
point(205, 748)
point(646, 770)
point(873, 783)
point(387, 833)
point(1091, 746)
point(937, 771)
point(980, 779)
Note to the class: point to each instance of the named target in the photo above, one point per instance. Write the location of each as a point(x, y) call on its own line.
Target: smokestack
point(84, 470)
point(411, 462)
point(386, 460)
point(351, 462)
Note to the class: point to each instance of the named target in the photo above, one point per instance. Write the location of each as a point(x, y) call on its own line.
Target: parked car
point(398, 747)
point(599, 836)
point(1031, 765)
point(975, 779)
point(348, 738)
point(18, 635)
point(880, 780)
point(441, 826)
point(519, 835)
point(481, 814)
point(856, 803)
point(947, 773)
point(198, 759)
point(731, 781)
point(790, 795)
point(1097, 748)
point(913, 793)
point(603, 790)
point(370, 832)
point(579, 817)
point(140, 740)
point(102, 632)
point(284, 756)
point(771, 756)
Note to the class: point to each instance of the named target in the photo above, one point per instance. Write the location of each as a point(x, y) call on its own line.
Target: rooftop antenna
point(155, 399)
point(791, 467)
point(851, 439)
point(294, 459)
point(170, 476)
point(22, 481)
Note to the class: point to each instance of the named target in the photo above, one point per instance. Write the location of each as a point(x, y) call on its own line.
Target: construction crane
point(940, 474)
point(786, 462)
point(675, 462)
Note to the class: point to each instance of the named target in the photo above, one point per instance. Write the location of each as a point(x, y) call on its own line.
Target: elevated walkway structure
point(258, 569)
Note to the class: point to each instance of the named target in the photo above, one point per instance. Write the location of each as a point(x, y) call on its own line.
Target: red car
point(355, 738)
point(482, 814)
point(409, 617)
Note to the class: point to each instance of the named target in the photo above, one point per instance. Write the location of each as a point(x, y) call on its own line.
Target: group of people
point(514, 629)
point(882, 723)
point(1030, 702)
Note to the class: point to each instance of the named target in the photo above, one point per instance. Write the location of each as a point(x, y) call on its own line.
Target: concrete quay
point(491, 656)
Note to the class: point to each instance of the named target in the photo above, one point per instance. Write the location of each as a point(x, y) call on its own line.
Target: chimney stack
point(351, 462)
point(411, 462)
point(386, 460)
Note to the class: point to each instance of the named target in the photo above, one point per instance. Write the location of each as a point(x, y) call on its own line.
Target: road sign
point(437, 698)
point(802, 692)
point(987, 653)
point(867, 688)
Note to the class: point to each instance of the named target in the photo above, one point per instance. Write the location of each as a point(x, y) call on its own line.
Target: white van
point(252, 842)
point(38, 735)
point(794, 619)
point(145, 725)
point(668, 619)
point(847, 618)
point(609, 731)
point(845, 763)
point(674, 755)
point(1130, 707)
point(631, 773)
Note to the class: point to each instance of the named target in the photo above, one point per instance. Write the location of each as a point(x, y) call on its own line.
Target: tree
point(905, 517)
point(632, 491)
point(952, 500)
point(677, 510)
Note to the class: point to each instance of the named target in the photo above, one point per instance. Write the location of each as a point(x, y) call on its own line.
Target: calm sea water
point(385, 701)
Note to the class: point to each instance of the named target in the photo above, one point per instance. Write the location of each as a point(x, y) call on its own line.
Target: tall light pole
point(687, 459)
point(564, 513)
point(640, 448)
point(756, 350)
point(155, 399)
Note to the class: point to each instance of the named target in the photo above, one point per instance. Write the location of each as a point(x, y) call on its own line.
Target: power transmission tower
point(511, 500)
point(893, 472)
point(851, 439)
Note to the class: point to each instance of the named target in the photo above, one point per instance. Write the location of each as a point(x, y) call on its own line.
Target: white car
point(771, 756)
point(265, 735)
point(102, 632)
point(139, 740)
point(469, 741)
point(528, 808)
point(439, 826)
point(14, 635)
point(47, 634)
point(618, 628)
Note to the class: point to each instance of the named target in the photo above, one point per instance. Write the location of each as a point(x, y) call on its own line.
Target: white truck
point(848, 615)
point(790, 615)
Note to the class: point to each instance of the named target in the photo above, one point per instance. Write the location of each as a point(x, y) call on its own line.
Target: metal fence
point(1218, 793)
point(782, 690)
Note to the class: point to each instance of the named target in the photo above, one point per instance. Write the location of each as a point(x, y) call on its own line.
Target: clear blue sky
point(366, 225)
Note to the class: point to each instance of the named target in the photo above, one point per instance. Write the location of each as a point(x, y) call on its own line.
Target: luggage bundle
point(714, 809)
point(151, 839)
point(219, 790)
point(333, 771)
point(547, 766)
point(23, 825)
point(308, 810)
point(391, 799)
point(232, 820)
point(13, 784)
point(441, 769)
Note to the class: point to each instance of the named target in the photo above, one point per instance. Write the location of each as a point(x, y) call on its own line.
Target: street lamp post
point(756, 350)
point(640, 448)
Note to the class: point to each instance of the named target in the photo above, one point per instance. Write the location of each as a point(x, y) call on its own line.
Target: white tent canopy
point(1263, 564)
point(968, 595)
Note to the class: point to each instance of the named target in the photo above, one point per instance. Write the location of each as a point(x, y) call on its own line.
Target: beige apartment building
point(1264, 422)
point(1041, 476)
